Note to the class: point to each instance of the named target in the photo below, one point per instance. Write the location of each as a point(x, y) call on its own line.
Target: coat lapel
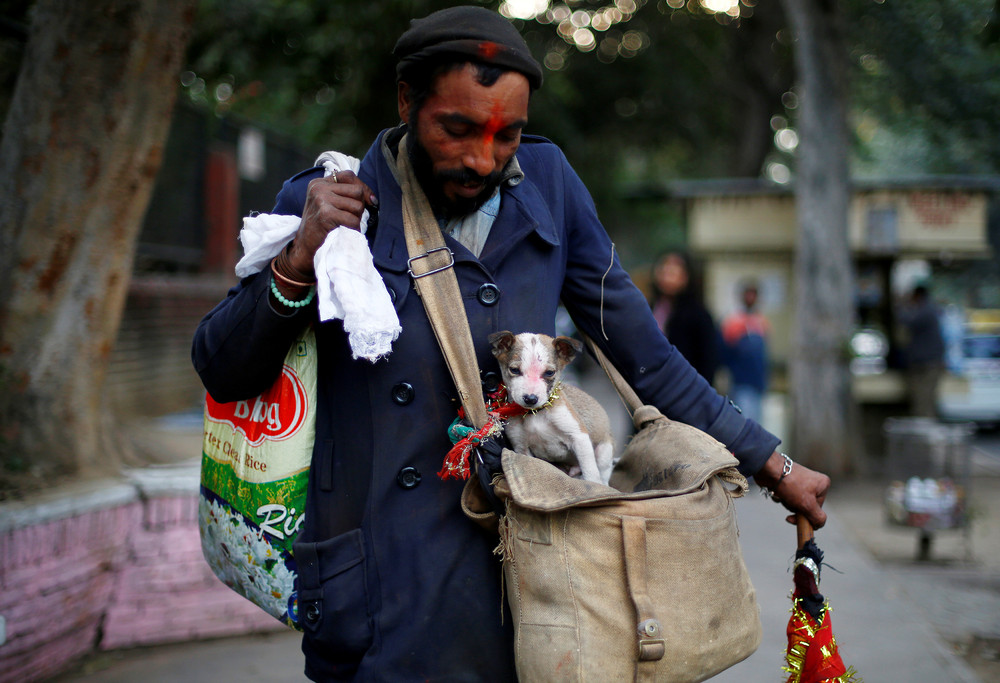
point(522, 212)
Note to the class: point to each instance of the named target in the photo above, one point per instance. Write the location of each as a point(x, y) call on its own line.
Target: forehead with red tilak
point(488, 50)
point(494, 124)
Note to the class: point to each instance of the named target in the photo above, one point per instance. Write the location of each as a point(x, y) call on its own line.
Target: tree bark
point(82, 146)
point(822, 431)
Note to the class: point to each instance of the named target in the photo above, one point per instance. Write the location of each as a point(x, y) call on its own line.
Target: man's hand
point(801, 491)
point(336, 200)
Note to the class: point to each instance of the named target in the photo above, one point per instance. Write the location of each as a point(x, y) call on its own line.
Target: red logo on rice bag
point(275, 415)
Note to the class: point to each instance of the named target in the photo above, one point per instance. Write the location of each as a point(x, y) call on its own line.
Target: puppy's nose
point(529, 399)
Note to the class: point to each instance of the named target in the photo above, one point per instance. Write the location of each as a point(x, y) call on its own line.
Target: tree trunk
point(820, 382)
point(83, 142)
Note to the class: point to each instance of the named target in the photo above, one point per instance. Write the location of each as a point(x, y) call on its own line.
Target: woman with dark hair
point(681, 315)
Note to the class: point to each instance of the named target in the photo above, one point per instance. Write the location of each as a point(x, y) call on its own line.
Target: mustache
point(466, 176)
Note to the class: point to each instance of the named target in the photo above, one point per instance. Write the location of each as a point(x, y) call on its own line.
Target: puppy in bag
point(562, 424)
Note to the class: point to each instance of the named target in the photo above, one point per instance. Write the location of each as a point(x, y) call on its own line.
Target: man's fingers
point(816, 516)
point(340, 184)
point(337, 200)
point(344, 211)
point(804, 491)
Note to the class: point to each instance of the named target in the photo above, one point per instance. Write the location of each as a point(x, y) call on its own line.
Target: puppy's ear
point(502, 342)
point(567, 349)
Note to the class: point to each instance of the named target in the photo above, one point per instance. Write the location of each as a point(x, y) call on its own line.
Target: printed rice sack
point(254, 475)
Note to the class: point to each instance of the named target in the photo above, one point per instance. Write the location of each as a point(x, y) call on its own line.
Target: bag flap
point(671, 457)
point(539, 485)
point(664, 458)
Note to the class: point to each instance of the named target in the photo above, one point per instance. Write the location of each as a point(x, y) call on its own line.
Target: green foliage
point(679, 106)
point(926, 88)
point(693, 95)
point(321, 72)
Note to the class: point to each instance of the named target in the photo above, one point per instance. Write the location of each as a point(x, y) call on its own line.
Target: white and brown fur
point(574, 432)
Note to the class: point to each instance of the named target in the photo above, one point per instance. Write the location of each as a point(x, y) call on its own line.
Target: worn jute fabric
point(642, 580)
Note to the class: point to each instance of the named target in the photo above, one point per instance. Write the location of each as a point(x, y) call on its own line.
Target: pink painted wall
point(110, 577)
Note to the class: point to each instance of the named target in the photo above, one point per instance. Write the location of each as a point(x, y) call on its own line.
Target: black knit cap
point(473, 32)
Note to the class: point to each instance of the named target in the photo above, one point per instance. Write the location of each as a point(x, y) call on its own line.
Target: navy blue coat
point(403, 586)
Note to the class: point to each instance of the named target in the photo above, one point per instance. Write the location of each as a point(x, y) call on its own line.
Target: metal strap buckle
point(451, 262)
point(651, 648)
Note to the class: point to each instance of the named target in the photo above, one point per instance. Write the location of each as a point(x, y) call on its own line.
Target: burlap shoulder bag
point(642, 580)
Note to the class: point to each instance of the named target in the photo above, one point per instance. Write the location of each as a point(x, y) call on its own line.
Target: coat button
point(312, 613)
point(491, 382)
point(488, 294)
point(402, 394)
point(408, 478)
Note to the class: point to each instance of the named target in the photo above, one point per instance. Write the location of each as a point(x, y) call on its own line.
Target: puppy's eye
point(514, 371)
point(549, 374)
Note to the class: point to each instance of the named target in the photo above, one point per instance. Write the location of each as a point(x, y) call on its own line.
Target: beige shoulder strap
point(432, 268)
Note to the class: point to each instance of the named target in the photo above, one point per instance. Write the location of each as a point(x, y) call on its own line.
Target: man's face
point(464, 135)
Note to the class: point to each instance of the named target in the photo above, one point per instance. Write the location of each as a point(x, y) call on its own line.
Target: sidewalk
point(879, 628)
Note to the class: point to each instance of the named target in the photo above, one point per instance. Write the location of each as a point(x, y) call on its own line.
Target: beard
point(433, 182)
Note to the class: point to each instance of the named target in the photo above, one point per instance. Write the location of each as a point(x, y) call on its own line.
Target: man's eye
point(507, 138)
point(514, 371)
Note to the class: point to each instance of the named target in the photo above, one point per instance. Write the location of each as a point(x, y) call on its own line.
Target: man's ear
point(404, 101)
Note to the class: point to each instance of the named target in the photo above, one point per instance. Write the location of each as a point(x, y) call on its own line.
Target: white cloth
point(348, 286)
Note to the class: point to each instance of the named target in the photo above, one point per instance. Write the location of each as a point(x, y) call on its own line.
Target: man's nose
point(479, 157)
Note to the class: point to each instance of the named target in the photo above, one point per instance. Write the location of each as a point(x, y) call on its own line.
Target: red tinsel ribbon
point(500, 409)
point(812, 655)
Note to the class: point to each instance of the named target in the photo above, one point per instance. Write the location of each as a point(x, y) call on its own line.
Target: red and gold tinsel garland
point(500, 409)
point(812, 656)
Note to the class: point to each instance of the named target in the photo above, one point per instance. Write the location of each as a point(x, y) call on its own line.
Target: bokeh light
point(584, 39)
point(777, 172)
point(523, 9)
point(730, 7)
point(577, 25)
point(786, 139)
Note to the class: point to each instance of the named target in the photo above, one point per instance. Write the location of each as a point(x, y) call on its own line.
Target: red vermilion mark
point(493, 125)
point(488, 50)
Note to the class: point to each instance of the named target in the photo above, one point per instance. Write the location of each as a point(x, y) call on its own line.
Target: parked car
point(976, 398)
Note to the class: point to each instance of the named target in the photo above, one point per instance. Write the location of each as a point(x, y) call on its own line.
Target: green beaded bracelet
point(288, 302)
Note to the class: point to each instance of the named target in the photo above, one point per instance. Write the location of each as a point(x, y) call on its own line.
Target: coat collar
point(522, 211)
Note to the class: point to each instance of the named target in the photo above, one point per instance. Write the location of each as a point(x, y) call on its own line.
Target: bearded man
point(395, 583)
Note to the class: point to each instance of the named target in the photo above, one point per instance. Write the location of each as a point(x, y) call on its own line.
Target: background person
point(923, 351)
point(744, 338)
point(681, 315)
